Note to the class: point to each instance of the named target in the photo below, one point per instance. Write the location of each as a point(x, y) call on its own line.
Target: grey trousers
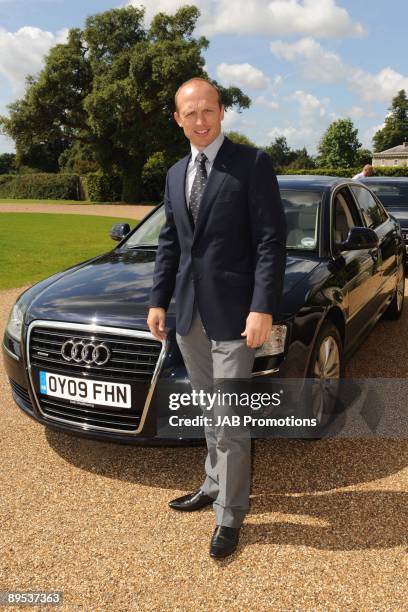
point(228, 461)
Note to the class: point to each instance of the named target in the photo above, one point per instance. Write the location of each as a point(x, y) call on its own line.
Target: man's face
point(199, 114)
point(367, 171)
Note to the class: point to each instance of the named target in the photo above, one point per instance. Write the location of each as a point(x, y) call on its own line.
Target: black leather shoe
point(191, 502)
point(224, 541)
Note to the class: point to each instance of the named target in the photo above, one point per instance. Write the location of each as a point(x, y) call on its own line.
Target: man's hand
point(156, 322)
point(258, 328)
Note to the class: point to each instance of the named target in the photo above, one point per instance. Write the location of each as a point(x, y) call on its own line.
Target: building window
point(395, 162)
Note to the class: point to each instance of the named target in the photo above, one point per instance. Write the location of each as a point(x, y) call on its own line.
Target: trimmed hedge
point(103, 188)
point(42, 186)
point(349, 172)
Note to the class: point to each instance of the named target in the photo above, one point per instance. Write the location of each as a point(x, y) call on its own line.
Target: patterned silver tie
point(198, 186)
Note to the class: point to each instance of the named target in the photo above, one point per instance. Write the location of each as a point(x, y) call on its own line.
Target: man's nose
point(200, 119)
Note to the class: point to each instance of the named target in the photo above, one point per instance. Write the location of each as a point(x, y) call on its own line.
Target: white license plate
point(84, 390)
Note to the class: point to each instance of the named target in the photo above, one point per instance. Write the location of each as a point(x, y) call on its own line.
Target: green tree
point(111, 88)
point(240, 138)
point(300, 159)
point(363, 157)
point(339, 145)
point(280, 152)
point(283, 157)
point(395, 129)
point(7, 163)
point(50, 117)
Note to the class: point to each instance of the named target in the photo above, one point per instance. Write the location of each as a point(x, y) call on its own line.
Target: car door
point(359, 268)
point(376, 218)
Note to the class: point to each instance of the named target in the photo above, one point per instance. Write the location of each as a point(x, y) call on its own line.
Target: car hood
point(114, 289)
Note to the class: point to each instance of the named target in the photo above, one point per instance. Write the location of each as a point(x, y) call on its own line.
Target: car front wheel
point(396, 306)
point(326, 369)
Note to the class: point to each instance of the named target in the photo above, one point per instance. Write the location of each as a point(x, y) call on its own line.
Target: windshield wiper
point(139, 246)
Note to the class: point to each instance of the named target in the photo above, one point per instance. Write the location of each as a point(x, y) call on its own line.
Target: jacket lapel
point(181, 192)
point(217, 176)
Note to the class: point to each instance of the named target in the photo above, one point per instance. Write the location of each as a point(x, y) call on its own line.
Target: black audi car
point(393, 193)
point(80, 357)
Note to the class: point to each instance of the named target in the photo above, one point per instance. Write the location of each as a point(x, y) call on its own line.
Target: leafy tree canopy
point(7, 163)
point(284, 157)
point(110, 90)
point(240, 138)
point(395, 129)
point(339, 144)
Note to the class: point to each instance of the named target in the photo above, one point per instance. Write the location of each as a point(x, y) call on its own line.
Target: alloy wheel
point(326, 374)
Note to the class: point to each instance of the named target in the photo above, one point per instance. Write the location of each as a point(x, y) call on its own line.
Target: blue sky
point(303, 63)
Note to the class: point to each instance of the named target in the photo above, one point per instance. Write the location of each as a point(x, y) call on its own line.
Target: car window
point(344, 216)
point(302, 217)
point(373, 213)
point(301, 208)
point(148, 232)
point(395, 194)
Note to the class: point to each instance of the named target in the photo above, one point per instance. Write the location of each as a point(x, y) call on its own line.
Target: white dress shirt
point(210, 152)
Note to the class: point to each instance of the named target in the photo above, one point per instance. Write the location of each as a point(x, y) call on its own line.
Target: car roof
point(384, 179)
point(302, 181)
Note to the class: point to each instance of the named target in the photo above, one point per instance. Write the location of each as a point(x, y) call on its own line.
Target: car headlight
point(15, 321)
point(275, 344)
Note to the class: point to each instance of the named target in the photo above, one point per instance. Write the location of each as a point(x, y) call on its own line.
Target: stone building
point(396, 156)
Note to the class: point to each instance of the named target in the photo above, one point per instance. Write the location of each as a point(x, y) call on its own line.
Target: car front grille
point(120, 420)
point(135, 359)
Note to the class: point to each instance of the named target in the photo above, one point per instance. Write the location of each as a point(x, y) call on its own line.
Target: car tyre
point(324, 378)
point(396, 306)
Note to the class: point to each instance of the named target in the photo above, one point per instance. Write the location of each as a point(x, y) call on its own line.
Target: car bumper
point(24, 397)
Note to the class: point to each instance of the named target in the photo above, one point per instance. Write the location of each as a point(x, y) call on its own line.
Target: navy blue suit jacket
point(233, 260)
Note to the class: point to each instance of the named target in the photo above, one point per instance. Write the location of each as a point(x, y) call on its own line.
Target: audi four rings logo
point(82, 351)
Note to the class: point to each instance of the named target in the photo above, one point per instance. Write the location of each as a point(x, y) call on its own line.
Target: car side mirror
point(359, 238)
point(119, 231)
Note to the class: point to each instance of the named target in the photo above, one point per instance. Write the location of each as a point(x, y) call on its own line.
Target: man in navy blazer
point(222, 249)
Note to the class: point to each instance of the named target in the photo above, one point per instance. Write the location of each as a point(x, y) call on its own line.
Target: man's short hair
point(198, 79)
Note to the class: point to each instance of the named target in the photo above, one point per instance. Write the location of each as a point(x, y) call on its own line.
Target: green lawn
point(35, 245)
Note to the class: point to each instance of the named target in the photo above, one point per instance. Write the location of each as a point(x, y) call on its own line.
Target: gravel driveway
point(124, 211)
point(327, 529)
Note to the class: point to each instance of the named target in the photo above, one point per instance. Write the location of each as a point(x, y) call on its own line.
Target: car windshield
point(395, 194)
point(301, 208)
point(302, 214)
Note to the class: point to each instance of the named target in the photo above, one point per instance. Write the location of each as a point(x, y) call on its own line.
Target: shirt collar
point(210, 150)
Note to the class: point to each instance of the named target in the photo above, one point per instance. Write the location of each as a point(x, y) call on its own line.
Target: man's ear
point(177, 118)
point(222, 112)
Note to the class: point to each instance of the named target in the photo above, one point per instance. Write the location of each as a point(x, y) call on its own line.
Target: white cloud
point(310, 107)
point(367, 136)
point(296, 136)
point(6, 145)
point(234, 120)
point(382, 86)
point(241, 75)
point(358, 112)
point(320, 18)
point(317, 63)
point(272, 105)
point(307, 127)
point(22, 53)
point(321, 65)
